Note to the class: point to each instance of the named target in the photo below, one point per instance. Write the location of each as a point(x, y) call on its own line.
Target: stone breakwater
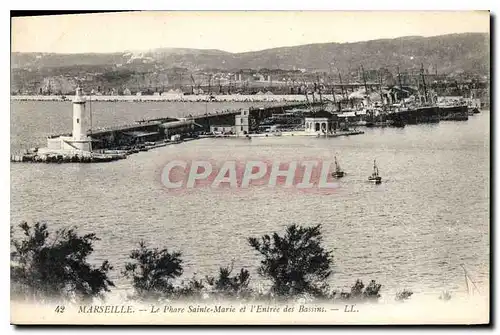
point(178, 98)
point(44, 155)
point(66, 157)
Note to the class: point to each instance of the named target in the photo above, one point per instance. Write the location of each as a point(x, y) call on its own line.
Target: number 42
point(60, 309)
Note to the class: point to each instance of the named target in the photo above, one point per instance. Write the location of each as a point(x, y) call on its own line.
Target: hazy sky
point(229, 31)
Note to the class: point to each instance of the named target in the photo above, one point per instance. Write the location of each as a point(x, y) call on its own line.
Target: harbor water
point(413, 231)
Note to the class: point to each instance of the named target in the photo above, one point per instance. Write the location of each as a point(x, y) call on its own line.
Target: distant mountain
point(456, 52)
point(466, 52)
point(165, 56)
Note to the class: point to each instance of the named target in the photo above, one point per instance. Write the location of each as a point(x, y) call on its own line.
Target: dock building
point(320, 122)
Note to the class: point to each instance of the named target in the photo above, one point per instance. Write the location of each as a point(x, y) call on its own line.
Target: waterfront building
point(242, 124)
point(320, 122)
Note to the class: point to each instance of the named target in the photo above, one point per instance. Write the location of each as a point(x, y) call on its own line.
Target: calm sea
point(413, 231)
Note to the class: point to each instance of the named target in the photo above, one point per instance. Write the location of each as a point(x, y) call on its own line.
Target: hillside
point(468, 52)
point(456, 53)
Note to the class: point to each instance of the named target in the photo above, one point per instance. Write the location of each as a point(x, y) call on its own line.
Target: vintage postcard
point(231, 168)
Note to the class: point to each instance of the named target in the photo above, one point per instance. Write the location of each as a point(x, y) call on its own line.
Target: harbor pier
point(169, 129)
point(116, 142)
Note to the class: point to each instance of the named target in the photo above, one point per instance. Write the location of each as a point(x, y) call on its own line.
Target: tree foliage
point(223, 286)
point(295, 263)
point(228, 286)
point(45, 267)
point(359, 292)
point(153, 271)
point(403, 295)
point(192, 290)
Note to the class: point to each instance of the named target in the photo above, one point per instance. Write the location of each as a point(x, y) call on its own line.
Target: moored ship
point(453, 108)
point(453, 112)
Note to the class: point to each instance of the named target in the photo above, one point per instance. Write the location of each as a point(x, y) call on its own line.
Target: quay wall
point(119, 136)
point(178, 97)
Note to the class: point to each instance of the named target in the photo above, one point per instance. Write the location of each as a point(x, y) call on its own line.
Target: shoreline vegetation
point(49, 267)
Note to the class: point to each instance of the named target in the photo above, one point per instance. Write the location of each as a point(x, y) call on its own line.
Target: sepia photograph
point(250, 168)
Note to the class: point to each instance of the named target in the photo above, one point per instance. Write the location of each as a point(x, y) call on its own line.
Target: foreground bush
point(152, 272)
point(360, 293)
point(47, 267)
point(230, 287)
point(403, 295)
point(296, 263)
point(219, 288)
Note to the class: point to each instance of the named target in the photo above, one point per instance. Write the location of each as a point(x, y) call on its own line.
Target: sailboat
point(338, 171)
point(375, 176)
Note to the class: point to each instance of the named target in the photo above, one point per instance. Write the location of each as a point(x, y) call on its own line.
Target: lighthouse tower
point(80, 140)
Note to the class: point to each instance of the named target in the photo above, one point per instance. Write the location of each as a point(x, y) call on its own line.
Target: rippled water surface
point(429, 216)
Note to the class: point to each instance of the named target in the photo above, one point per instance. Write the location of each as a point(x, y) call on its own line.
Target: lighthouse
point(80, 140)
point(78, 143)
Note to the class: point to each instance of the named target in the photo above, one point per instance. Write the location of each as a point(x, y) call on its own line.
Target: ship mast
point(364, 79)
point(332, 83)
point(311, 107)
point(400, 85)
point(319, 91)
point(380, 87)
point(341, 86)
point(423, 82)
point(333, 94)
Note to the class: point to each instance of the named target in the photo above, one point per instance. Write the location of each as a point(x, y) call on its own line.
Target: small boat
point(375, 176)
point(338, 171)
